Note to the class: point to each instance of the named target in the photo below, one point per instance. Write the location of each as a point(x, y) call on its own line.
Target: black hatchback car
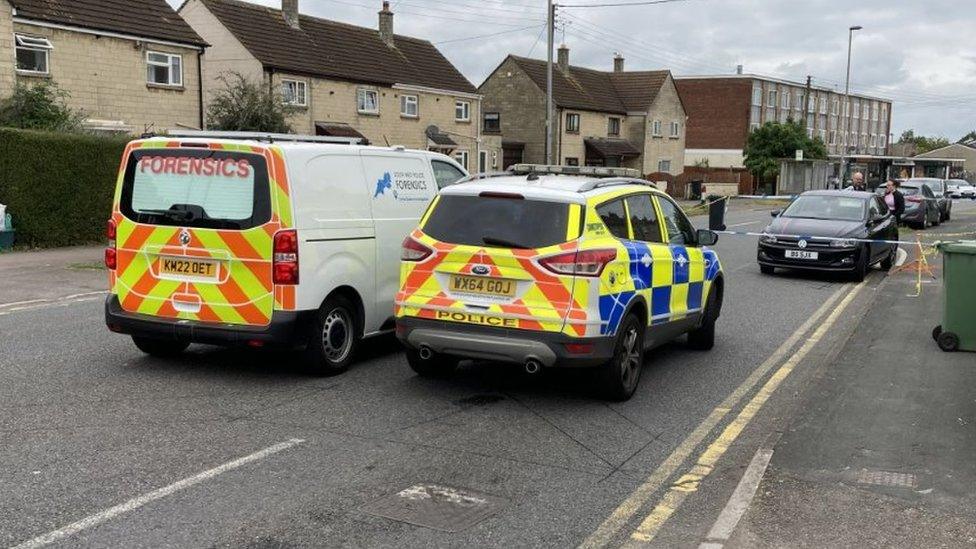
point(824, 230)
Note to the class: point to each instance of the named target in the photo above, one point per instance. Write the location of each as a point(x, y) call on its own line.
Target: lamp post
point(847, 101)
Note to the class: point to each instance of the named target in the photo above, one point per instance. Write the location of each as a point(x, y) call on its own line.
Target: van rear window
point(498, 222)
point(196, 188)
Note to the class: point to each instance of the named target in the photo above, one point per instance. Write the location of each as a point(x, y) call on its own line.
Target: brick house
point(624, 118)
point(130, 65)
point(347, 80)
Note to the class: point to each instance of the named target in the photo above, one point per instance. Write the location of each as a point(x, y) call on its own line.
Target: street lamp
point(847, 98)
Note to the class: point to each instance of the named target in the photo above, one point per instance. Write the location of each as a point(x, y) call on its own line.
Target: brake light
point(582, 263)
point(284, 264)
point(493, 194)
point(412, 250)
point(111, 253)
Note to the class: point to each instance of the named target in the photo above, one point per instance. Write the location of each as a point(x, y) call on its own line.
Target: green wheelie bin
point(958, 329)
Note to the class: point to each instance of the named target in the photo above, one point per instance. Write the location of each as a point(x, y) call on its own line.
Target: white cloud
point(917, 52)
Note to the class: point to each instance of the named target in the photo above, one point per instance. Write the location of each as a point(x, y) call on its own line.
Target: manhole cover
point(887, 478)
point(436, 506)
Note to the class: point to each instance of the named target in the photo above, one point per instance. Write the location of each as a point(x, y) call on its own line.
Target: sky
point(918, 53)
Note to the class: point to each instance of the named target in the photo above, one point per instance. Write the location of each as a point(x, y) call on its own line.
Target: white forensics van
point(256, 239)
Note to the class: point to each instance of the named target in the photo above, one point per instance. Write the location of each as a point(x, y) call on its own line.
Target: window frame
point(611, 131)
point(656, 128)
point(785, 99)
point(169, 66)
point(299, 84)
point(630, 220)
point(626, 217)
point(800, 99)
point(498, 120)
point(572, 161)
point(660, 167)
point(435, 161)
point(41, 44)
point(572, 127)
point(675, 130)
point(772, 98)
point(361, 95)
point(461, 156)
point(757, 95)
point(465, 108)
point(680, 214)
point(405, 101)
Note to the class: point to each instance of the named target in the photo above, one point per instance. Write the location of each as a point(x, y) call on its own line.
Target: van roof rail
point(267, 136)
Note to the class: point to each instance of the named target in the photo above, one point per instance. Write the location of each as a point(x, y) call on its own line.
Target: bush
point(58, 187)
point(243, 105)
point(40, 107)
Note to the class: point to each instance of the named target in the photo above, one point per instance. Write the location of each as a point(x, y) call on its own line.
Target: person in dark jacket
point(894, 199)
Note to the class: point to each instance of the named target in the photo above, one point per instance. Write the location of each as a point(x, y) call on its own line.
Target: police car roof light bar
point(269, 137)
point(590, 171)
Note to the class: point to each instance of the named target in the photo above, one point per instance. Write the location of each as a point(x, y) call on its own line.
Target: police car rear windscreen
point(196, 188)
point(498, 222)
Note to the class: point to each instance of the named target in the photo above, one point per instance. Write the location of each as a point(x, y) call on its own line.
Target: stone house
point(130, 65)
point(346, 80)
point(633, 119)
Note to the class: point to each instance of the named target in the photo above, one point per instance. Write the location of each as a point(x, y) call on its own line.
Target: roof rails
point(591, 171)
point(612, 182)
point(483, 175)
point(269, 137)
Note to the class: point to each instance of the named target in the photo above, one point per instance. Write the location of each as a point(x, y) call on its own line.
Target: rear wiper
point(176, 215)
point(489, 240)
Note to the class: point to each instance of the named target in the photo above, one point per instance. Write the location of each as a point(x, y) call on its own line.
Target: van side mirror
point(707, 237)
point(775, 213)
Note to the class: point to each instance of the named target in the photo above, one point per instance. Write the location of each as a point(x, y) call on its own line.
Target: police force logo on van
point(406, 186)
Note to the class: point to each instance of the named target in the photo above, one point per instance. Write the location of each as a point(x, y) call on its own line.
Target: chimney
point(289, 10)
point(738, 69)
point(386, 24)
point(562, 59)
point(618, 63)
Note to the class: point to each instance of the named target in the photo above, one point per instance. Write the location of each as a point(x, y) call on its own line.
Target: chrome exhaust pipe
point(532, 366)
point(425, 352)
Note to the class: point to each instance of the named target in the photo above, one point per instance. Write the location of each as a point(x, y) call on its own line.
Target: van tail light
point(111, 253)
point(412, 250)
point(915, 199)
point(284, 265)
point(581, 263)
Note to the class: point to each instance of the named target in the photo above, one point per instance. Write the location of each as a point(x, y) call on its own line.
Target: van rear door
point(194, 234)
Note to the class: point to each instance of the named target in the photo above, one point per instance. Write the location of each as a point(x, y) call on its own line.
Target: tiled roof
point(142, 18)
point(592, 90)
point(331, 49)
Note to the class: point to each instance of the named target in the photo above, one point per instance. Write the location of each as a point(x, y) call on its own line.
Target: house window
point(613, 126)
point(572, 122)
point(786, 100)
point(462, 158)
point(757, 94)
point(675, 130)
point(810, 132)
point(493, 122)
point(853, 140)
point(857, 109)
point(884, 113)
point(874, 140)
point(754, 126)
point(772, 99)
point(33, 54)
point(835, 107)
point(294, 92)
point(462, 111)
point(884, 141)
point(799, 101)
point(368, 101)
point(755, 114)
point(656, 128)
point(572, 161)
point(664, 166)
point(812, 107)
point(409, 106)
point(783, 116)
point(833, 137)
point(165, 69)
point(823, 134)
point(866, 111)
point(823, 105)
point(482, 161)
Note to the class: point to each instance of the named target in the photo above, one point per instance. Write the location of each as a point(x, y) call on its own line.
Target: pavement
point(105, 447)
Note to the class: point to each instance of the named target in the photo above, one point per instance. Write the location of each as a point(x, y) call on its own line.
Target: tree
point(243, 105)
point(971, 136)
point(773, 141)
point(922, 143)
point(40, 107)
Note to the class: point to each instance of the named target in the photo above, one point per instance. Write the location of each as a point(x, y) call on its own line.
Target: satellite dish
point(433, 130)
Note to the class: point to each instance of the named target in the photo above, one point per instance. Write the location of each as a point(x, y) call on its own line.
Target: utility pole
point(847, 101)
point(806, 101)
point(551, 31)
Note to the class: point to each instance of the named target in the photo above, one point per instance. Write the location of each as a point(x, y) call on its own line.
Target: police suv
point(552, 266)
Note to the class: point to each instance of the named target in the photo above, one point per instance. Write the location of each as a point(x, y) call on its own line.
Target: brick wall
point(6, 49)
point(522, 105)
point(592, 124)
point(106, 77)
point(718, 112)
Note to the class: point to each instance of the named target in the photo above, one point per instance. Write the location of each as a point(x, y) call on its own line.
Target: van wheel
point(162, 348)
point(436, 366)
point(621, 375)
point(335, 337)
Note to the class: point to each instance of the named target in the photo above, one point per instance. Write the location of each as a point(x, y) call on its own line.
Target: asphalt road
point(90, 428)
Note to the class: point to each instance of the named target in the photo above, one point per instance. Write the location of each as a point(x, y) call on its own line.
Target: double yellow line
point(690, 480)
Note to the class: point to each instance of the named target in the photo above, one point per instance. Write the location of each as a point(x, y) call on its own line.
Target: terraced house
point(346, 80)
point(130, 65)
point(633, 119)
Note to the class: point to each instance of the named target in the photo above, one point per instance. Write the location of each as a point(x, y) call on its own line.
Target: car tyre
point(767, 269)
point(889, 261)
point(160, 348)
point(936, 332)
point(948, 342)
point(334, 338)
point(621, 375)
point(702, 338)
point(861, 268)
point(437, 366)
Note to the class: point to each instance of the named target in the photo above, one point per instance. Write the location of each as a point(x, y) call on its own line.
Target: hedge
point(58, 187)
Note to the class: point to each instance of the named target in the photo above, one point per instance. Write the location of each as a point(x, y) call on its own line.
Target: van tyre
point(335, 336)
point(621, 375)
point(703, 337)
point(437, 366)
point(161, 348)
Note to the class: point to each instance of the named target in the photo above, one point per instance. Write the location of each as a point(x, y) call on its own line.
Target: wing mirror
point(775, 213)
point(707, 237)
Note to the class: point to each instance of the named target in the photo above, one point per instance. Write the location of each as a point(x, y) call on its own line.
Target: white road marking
point(137, 502)
point(35, 304)
point(747, 223)
point(741, 498)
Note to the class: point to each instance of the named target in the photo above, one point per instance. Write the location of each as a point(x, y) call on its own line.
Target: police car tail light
point(582, 263)
point(111, 254)
point(412, 250)
point(285, 260)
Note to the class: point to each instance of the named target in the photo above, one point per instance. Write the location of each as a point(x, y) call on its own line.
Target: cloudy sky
point(919, 53)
